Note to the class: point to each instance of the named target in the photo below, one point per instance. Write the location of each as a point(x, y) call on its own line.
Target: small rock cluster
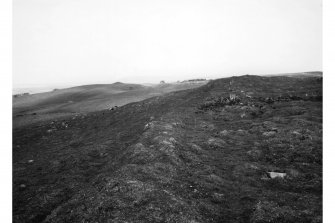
point(220, 102)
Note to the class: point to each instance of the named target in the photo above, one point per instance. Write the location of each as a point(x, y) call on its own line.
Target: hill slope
point(188, 156)
point(83, 99)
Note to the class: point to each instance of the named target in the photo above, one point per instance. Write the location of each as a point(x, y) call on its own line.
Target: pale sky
point(73, 42)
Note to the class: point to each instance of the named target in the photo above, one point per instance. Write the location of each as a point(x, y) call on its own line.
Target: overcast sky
point(72, 42)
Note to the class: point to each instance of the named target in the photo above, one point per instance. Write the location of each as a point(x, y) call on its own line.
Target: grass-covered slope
point(188, 156)
point(82, 99)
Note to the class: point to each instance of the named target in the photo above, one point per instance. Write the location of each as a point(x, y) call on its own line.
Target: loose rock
point(273, 175)
point(269, 134)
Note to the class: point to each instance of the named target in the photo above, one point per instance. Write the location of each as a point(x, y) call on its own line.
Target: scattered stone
point(208, 126)
point(217, 197)
point(30, 161)
point(178, 124)
point(147, 126)
point(240, 131)
point(269, 134)
point(195, 147)
point(243, 115)
point(216, 179)
point(172, 140)
point(23, 186)
point(274, 129)
point(216, 142)
point(224, 133)
point(274, 175)
point(296, 133)
point(49, 130)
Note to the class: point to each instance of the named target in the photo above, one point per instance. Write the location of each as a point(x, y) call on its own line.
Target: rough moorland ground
point(190, 156)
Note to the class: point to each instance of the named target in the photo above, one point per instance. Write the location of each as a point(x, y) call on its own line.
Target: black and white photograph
point(190, 111)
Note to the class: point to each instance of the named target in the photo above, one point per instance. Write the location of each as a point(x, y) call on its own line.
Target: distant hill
point(301, 74)
point(87, 98)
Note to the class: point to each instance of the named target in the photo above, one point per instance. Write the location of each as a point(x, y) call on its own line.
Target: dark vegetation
point(20, 95)
point(198, 155)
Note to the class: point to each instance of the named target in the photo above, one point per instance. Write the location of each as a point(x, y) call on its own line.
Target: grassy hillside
point(83, 99)
point(190, 156)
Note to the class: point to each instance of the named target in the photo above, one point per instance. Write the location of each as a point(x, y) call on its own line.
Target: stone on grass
point(216, 142)
point(207, 126)
point(195, 147)
point(274, 175)
point(269, 134)
point(296, 133)
point(218, 198)
point(224, 133)
point(241, 132)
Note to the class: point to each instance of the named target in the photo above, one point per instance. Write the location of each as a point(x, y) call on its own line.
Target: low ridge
point(239, 149)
